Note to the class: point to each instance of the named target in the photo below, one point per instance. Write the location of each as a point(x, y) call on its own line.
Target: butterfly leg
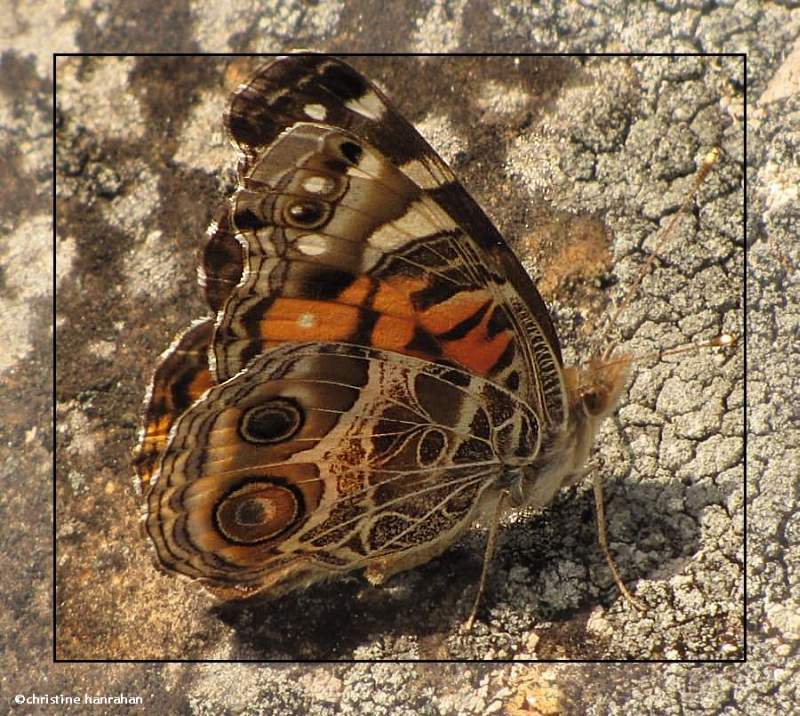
point(602, 539)
point(491, 542)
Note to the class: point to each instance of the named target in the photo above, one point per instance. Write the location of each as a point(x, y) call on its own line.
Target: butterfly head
point(595, 388)
point(593, 392)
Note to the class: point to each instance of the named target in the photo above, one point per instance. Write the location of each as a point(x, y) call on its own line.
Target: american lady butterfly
point(377, 371)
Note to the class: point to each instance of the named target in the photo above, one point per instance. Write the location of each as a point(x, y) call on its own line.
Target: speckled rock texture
point(580, 162)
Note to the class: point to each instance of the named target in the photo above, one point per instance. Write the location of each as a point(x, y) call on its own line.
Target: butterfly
point(377, 371)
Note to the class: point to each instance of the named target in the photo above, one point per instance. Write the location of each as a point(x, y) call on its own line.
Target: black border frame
point(744, 337)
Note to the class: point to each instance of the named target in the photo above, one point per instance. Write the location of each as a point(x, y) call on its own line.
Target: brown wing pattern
point(343, 203)
point(301, 465)
point(376, 362)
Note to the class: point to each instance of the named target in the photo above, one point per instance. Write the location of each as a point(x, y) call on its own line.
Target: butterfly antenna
point(723, 340)
point(706, 166)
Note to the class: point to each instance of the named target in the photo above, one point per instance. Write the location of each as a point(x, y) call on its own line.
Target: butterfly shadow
point(547, 568)
point(554, 559)
point(349, 619)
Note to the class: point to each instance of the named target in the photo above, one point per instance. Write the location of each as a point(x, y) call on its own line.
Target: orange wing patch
point(300, 319)
point(381, 313)
point(462, 326)
point(180, 379)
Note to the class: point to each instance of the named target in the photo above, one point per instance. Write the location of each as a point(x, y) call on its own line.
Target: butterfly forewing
point(180, 379)
point(342, 197)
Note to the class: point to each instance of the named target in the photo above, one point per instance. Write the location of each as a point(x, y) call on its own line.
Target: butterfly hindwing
point(324, 457)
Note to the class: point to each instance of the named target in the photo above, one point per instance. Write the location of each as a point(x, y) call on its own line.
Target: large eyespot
point(273, 422)
point(257, 511)
point(306, 213)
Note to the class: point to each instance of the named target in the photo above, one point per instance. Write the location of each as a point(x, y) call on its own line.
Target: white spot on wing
point(319, 185)
point(368, 105)
point(415, 223)
point(312, 245)
point(315, 111)
point(306, 320)
point(388, 238)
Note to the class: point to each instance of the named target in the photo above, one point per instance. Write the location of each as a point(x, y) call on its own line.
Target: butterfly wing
point(378, 361)
point(183, 374)
point(181, 377)
point(299, 466)
point(356, 231)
